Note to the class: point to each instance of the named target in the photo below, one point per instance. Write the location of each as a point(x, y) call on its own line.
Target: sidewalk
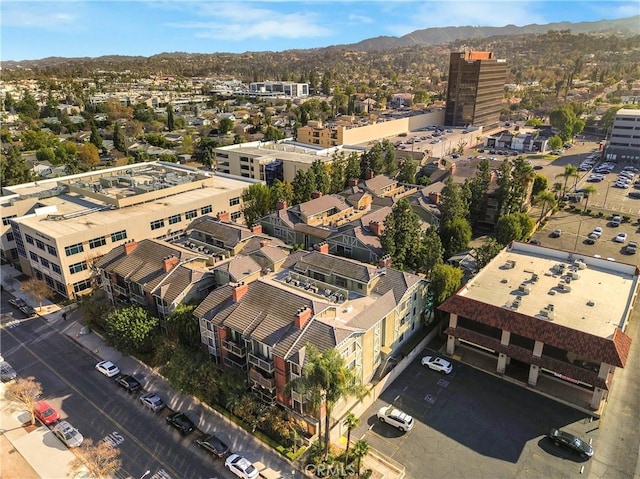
point(206, 419)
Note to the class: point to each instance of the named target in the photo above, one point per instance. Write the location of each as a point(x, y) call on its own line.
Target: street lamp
point(145, 474)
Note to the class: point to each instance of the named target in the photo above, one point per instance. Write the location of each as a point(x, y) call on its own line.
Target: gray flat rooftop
point(588, 294)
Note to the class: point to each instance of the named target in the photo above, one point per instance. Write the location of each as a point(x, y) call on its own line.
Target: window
point(234, 201)
point(38, 274)
point(40, 244)
point(97, 242)
point(44, 262)
point(60, 288)
point(82, 285)
point(33, 256)
point(118, 235)
point(236, 216)
point(244, 167)
point(175, 219)
point(6, 219)
point(10, 236)
point(28, 239)
point(157, 224)
point(52, 250)
point(78, 267)
point(73, 249)
point(56, 268)
point(206, 209)
point(191, 214)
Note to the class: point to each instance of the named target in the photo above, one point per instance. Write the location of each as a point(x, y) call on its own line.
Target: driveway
point(472, 424)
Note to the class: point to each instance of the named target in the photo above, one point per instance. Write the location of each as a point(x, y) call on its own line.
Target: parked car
point(556, 233)
point(437, 364)
point(592, 238)
point(108, 368)
point(571, 442)
point(597, 231)
point(128, 382)
point(45, 413)
point(22, 305)
point(213, 444)
point(634, 194)
point(7, 373)
point(616, 221)
point(152, 401)
point(181, 422)
point(68, 434)
point(620, 238)
point(395, 418)
point(241, 467)
point(631, 248)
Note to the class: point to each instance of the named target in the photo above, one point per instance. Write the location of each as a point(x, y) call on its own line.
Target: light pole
point(604, 204)
point(145, 474)
point(575, 247)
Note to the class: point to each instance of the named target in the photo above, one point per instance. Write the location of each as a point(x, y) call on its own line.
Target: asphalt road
point(98, 407)
point(471, 424)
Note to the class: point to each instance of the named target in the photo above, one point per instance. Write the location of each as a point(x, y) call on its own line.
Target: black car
point(129, 383)
point(181, 422)
point(22, 305)
point(212, 444)
point(634, 194)
point(571, 442)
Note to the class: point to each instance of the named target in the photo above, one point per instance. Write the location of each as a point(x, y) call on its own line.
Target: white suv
point(396, 418)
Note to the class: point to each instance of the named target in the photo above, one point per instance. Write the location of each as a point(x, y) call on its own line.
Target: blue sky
point(76, 28)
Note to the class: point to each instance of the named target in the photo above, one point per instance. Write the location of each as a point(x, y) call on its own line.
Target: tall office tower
point(475, 90)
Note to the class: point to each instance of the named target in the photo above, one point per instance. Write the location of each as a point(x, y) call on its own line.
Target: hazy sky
point(76, 28)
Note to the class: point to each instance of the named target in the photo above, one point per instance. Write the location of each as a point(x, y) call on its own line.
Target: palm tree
point(570, 171)
point(547, 200)
point(588, 191)
point(557, 188)
point(351, 421)
point(360, 449)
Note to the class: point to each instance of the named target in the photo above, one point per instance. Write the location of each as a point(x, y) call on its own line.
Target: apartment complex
point(624, 141)
point(550, 313)
point(279, 88)
point(270, 161)
point(475, 89)
point(348, 131)
point(315, 299)
point(60, 227)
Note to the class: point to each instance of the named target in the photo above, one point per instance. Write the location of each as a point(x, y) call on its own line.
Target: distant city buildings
point(624, 140)
point(279, 88)
point(475, 89)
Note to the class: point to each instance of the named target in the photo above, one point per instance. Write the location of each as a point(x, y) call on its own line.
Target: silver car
point(68, 434)
point(7, 373)
point(152, 401)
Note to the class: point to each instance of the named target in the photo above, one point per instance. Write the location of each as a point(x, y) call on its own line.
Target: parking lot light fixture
point(147, 472)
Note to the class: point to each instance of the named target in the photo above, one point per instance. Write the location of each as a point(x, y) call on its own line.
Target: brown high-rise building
point(475, 90)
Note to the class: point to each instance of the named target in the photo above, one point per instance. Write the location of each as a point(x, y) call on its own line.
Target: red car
point(46, 414)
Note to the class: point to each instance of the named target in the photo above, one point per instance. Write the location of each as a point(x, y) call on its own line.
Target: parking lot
point(472, 424)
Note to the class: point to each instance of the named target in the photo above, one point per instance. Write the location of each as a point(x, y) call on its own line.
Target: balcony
point(232, 362)
point(234, 348)
point(265, 396)
point(119, 290)
point(263, 364)
point(257, 379)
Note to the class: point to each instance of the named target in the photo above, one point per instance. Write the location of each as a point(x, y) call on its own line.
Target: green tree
point(390, 165)
point(170, 119)
point(351, 421)
point(36, 139)
point(507, 229)
point(352, 170)
point(503, 190)
point(407, 173)
point(118, 139)
point(256, 202)
point(485, 253)
point(320, 177)
point(401, 237)
point(478, 187)
point(131, 330)
point(225, 126)
point(46, 155)
point(204, 152)
point(606, 120)
point(281, 191)
point(570, 171)
point(563, 118)
point(143, 113)
point(445, 281)
point(452, 204)
point(337, 172)
point(430, 252)
point(455, 235)
point(546, 200)
point(184, 326)
point(555, 142)
point(88, 155)
point(28, 106)
point(540, 183)
point(522, 175)
point(303, 186)
point(95, 138)
point(273, 134)
point(421, 96)
point(360, 449)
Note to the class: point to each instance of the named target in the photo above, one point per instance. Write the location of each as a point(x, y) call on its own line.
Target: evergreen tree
point(303, 186)
point(352, 170)
point(503, 190)
point(431, 251)
point(478, 187)
point(337, 175)
point(281, 191)
point(95, 139)
point(455, 235)
point(14, 169)
point(256, 201)
point(118, 139)
point(28, 106)
point(390, 165)
point(401, 237)
point(170, 121)
point(407, 172)
point(320, 177)
point(452, 204)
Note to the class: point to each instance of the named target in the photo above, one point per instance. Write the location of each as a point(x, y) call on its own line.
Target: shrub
point(601, 214)
point(626, 219)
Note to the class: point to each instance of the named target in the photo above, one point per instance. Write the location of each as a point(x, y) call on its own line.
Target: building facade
point(475, 89)
point(546, 312)
point(624, 140)
point(72, 221)
point(279, 88)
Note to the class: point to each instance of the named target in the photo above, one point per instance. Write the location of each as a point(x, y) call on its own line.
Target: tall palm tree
point(570, 171)
point(588, 191)
point(547, 200)
point(360, 449)
point(351, 422)
point(557, 188)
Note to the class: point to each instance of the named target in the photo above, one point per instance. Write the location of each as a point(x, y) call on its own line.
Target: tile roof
point(229, 234)
point(322, 204)
point(613, 350)
point(325, 263)
point(239, 267)
point(178, 280)
point(378, 183)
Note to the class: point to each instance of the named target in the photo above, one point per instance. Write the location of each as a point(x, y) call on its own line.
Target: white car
point(241, 467)
point(620, 238)
point(68, 434)
point(620, 184)
point(597, 231)
point(437, 364)
point(396, 418)
point(108, 368)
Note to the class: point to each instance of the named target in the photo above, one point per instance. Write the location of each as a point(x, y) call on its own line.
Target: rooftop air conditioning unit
point(564, 287)
point(524, 289)
point(574, 275)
